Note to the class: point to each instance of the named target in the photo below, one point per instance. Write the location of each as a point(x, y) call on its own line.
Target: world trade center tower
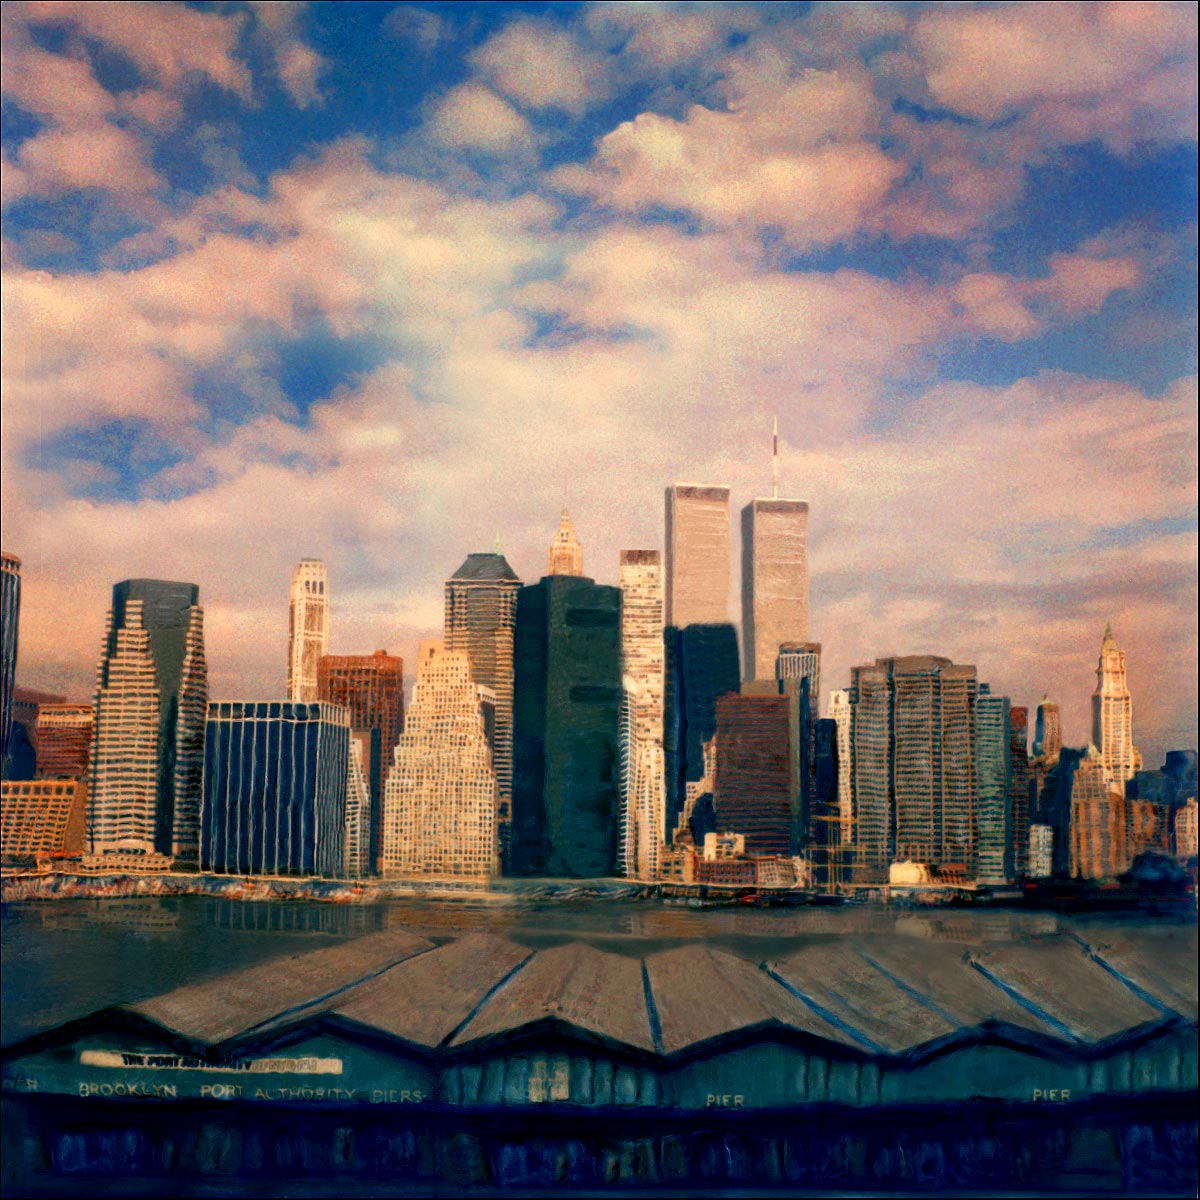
point(774, 581)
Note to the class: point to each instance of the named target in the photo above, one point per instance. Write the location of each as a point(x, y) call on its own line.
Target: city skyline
point(977, 333)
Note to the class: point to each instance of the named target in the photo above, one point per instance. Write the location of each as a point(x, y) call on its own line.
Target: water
point(64, 959)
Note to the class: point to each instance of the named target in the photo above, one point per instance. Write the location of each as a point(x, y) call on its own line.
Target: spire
point(566, 554)
point(774, 458)
point(1108, 640)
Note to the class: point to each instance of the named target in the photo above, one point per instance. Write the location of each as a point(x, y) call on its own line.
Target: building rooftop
point(903, 999)
point(486, 566)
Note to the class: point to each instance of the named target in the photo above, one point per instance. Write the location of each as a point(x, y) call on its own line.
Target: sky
point(384, 285)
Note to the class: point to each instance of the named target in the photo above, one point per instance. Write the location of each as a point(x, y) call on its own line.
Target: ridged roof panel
point(426, 998)
point(486, 566)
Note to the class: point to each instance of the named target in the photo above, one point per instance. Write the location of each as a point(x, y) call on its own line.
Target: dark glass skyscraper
point(755, 789)
point(10, 616)
point(275, 788)
point(701, 664)
point(566, 717)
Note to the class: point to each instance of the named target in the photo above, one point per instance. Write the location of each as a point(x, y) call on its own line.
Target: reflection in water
point(69, 957)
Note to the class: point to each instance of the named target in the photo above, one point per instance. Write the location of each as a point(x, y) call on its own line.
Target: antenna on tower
point(774, 458)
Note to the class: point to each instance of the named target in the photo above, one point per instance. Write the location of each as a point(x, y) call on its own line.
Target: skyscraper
point(275, 776)
point(1098, 820)
point(1047, 736)
point(913, 762)
point(697, 558)
point(308, 628)
point(755, 791)
point(64, 740)
point(566, 554)
point(701, 663)
point(148, 737)
point(10, 617)
point(371, 686)
point(643, 796)
point(440, 801)
point(359, 804)
point(994, 768)
point(798, 671)
point(774, 581)
point(1020, 803)
point(481, 608)
point(839, 713)
point(568, 704)
point(1112, 715)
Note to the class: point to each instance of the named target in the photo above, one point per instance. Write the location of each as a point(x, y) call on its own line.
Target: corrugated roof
point(1059, 982)
point(233, 1005)
point(576, 985)
point(426, 998)
point(485, 566)
point(862, 998)
point(701, 994)
point(941, 974)
point(1165, 973)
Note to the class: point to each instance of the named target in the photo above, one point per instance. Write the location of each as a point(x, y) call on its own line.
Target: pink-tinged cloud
point(298, 66)
point(1106, 70)
point(473, 117)
point(542, 66)
point(166, 41)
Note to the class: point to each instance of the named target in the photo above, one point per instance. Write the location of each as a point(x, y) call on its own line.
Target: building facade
point(64, 740)
point(480, 620)
point(147, 755)
point(10, 621)
point(994, 769)
point(275, 776)
point(642, 831)
point(567, 718)
point(1112, 715)
point(440, 802)
point(839, 712)
point(701, 663)
point(308, 628)
point(697, 555)
point(42, 818)
point(371, 686)
point(566, 553)
point(1020, 802)
point(357, 845)
point(913, 769)
point(774, 581)
point(1098, 821)
point(755, 793)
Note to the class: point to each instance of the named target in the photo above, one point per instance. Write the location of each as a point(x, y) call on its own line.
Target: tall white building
point(774, 581)
point(642, 782)
point(439, 812)
point(308, 628)
point(697, 559)
point(1112, 715)
point(151, 701)
point(839, 710)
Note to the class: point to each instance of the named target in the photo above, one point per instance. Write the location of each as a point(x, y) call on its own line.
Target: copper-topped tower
point(566, 554)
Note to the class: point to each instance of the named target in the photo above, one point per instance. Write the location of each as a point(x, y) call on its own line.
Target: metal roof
point(425, 999)
point(574, 985)
point(870, 995)
point(233, 1005)
point(701, 994)
point(1061, 984)
point(486, 566)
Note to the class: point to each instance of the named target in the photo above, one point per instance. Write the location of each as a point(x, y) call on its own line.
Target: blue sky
point(379, 283)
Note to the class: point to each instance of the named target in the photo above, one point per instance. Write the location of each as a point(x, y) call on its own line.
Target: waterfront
point(68, 958)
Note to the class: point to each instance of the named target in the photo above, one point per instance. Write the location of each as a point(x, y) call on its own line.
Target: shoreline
point(18, 886)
